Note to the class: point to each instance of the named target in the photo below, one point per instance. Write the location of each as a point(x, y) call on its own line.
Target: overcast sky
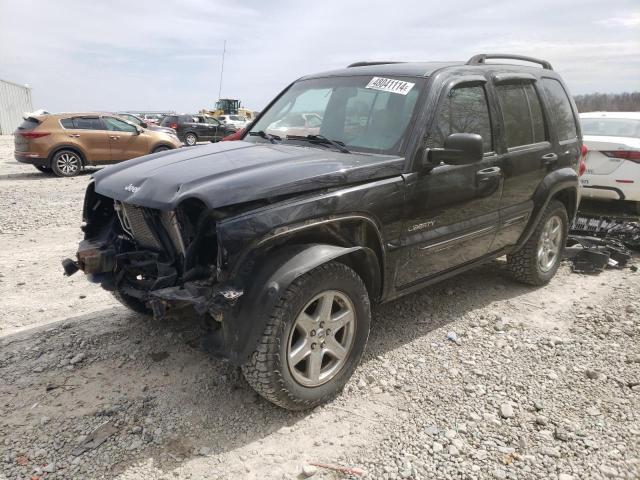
point(156, 55)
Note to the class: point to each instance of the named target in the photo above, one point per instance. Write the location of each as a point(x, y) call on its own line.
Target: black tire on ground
point(161, 148)
point(66, 163)
point(269, 372)
point(526, 265)
point(191, 139)
point(43, 168)
point(131, 303)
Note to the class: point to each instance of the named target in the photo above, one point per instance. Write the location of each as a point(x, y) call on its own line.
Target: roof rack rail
point(482, 57)
point(364, 64)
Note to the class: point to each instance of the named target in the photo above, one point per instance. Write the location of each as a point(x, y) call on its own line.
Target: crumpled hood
point(229, 173)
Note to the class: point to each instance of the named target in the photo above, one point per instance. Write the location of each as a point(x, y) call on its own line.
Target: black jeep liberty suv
point(353, 187)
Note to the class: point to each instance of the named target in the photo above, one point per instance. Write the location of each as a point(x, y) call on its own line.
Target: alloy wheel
point(321, 338)
point(550, 243)
point(68, 163)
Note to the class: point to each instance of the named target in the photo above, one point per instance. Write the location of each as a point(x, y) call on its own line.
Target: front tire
point(43, 169)
point(132, 303)
point(66, 163)
point(190, 139)
point(314, 339)
point(538, 260)
point(161, 148)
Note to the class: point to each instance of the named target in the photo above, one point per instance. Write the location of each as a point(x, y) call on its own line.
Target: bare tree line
point(608, 102)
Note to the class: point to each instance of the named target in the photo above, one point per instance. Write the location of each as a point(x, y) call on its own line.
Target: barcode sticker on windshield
point(390, 85)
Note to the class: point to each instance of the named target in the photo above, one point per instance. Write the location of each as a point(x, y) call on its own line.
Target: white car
point(613, 158)
point(237, 121)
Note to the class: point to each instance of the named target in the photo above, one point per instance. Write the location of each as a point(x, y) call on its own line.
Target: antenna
point(224, 50)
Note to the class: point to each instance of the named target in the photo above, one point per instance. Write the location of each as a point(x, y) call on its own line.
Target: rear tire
point(299, 362)
point(161, 148)
point(66, 163)
point(190, 139)
point(538, 260)
point(132, 303)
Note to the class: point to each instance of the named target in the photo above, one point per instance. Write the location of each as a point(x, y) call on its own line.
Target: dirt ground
point(543, 383)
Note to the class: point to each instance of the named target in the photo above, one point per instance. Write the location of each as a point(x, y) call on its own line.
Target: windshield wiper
point(265, 135)
point(322, 140)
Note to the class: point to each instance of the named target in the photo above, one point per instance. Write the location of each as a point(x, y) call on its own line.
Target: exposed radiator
point(133, 222)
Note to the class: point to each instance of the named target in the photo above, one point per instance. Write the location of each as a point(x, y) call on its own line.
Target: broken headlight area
point(167, 259)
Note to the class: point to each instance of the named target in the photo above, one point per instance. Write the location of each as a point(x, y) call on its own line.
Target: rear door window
point(116, 125)
point(521, 114)
point(464, 110)
point(560, 109)
point(87, 123)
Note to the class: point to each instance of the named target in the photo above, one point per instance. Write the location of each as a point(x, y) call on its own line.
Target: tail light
point(583, 157)
point(632, 155)
point(34, 134)
point(173, 125)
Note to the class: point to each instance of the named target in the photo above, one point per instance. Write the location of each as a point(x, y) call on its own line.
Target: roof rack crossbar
point(482, 57)
point(364, 64)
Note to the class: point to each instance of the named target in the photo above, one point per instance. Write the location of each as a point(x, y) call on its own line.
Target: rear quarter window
point(169, 119)
point(67, 123)
point(560, 109)
point(28, 124)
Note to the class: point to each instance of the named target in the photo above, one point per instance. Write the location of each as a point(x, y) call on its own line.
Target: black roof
point(424, 69)
point(409, 69)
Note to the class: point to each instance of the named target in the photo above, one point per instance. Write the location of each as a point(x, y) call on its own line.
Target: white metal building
point(15, 100)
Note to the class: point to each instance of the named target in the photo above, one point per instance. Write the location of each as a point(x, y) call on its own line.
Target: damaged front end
point(167, 261)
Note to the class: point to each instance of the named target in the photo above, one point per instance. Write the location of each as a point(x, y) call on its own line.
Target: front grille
point(134, 223)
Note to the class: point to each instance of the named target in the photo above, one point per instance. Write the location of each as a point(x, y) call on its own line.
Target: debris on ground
point(336, 468)
point(453, 337)
point(96, 438)
point(621, 229)
point(309, 471)
point(596, 243)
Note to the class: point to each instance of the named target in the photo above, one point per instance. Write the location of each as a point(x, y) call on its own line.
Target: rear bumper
point(31, 159)
point(603, 193)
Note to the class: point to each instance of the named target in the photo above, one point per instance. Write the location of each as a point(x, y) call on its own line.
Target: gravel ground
point(538, 384)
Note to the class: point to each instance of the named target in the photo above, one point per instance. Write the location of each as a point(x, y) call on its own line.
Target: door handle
point(113, 137)
point(487, 174)
point(74, 135)
point(549, 159)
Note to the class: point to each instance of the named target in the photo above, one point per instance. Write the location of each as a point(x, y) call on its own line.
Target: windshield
point(365, 113)
point(611, 127)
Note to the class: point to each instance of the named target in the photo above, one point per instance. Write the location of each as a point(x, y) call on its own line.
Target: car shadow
point(40, 176)
point(136, 371)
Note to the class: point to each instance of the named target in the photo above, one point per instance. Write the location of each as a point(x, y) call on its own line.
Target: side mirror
point(138, 131)
point(144, 124)
point(459, 149)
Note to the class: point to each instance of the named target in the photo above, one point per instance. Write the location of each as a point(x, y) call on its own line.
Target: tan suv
point(64, 143)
